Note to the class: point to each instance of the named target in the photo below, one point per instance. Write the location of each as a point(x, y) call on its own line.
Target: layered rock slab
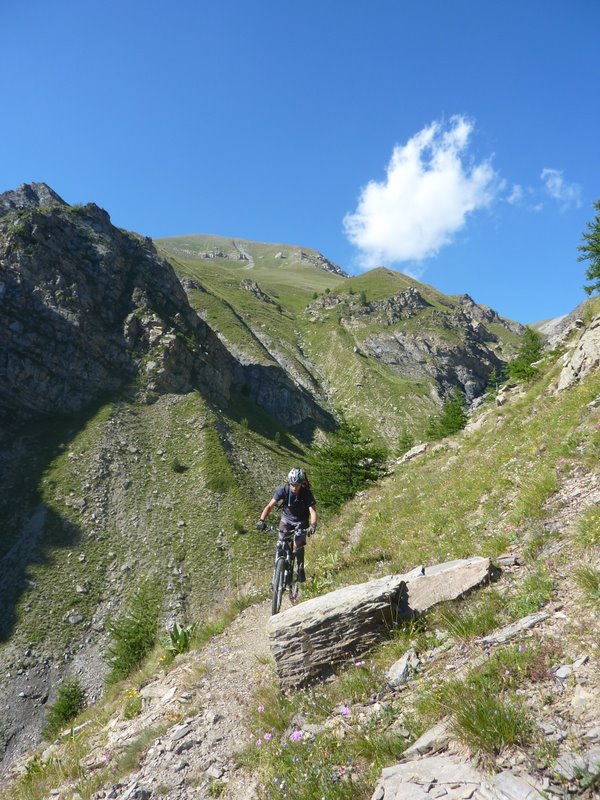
point(443, 776)
point(313, 639)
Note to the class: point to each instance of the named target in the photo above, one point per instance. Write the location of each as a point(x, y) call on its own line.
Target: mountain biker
point(298, 512)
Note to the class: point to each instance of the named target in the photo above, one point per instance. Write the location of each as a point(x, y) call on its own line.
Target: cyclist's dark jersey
point(294, 509)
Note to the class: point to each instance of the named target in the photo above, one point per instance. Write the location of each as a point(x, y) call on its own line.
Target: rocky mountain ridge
point(88, 310)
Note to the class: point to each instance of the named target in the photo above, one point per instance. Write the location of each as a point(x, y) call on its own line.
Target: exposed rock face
point(29, 196)
point(584, 359)
point(87, 310)
point(466, 364)
point(455, 348)
point(402, 305)
point(320, 261)
point(313, 638)
point(254, 288)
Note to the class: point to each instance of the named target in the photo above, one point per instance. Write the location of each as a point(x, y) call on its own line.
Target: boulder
point(311, 640)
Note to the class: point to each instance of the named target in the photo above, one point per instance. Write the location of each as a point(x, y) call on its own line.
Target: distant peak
point(29, 195)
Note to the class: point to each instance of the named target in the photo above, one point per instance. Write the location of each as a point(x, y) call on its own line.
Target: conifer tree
point(452, 419)
point(343, 465)
point(530, 351)
point(590, 251)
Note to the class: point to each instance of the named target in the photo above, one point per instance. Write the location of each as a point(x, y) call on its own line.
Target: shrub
point(134, 634)
point(69, 702)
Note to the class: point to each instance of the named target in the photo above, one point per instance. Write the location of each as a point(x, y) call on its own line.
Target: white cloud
point(428, 192)
point(516, 196)
point(566, 194)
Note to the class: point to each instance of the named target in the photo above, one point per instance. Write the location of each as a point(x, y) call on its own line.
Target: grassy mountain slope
point(347, 340)
point(523, 478)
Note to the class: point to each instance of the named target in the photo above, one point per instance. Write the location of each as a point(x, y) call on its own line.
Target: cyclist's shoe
point(301, 575)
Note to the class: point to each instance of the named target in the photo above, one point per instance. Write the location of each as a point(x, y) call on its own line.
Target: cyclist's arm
point(267, 509)
point(312, 514)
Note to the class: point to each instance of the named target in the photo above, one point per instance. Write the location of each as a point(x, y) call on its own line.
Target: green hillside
point(277, 303)
point(519, 481)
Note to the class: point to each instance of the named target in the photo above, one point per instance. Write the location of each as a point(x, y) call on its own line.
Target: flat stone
point(593, 734)
point(563, 672)
point(179, 733)
point(515, 787)
point(413, 779)
point(512, 630)
point(432, 741)
point(215, 772)
point(310, 640)
point(568, 764)
point(593, 760)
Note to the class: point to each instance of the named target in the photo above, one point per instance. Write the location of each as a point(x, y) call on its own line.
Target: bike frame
point(285, 572)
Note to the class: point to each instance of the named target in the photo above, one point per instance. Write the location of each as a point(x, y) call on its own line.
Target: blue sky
point(455, 140)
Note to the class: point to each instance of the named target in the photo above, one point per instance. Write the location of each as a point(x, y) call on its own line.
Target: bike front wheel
point(278, 585)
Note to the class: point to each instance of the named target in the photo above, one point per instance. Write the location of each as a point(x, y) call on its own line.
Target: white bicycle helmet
point(295, 476)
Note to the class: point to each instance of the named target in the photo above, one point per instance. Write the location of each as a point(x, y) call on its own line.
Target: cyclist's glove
point(311, 529)
point(261, 525)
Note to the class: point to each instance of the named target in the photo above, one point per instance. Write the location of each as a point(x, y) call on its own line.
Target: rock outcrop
point(312, 639)
point(448, 777)
point(88, 310)
point(584, 359)
point(455, 347)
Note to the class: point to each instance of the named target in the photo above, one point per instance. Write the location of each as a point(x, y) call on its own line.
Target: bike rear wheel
point(278, 585)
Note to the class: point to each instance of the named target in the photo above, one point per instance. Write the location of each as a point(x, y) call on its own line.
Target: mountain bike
point(285, 573)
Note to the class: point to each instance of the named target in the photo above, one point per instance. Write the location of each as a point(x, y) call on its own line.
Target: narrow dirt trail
point(191, 751)
point(236, 663)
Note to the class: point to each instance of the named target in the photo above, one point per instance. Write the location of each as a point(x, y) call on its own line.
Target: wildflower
point(345, 711)
point(260, 709)
point(360, 664)
point(521, 648)
point(268, 736)
point(507, 672)
point(258, 742)
point(296, 736)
